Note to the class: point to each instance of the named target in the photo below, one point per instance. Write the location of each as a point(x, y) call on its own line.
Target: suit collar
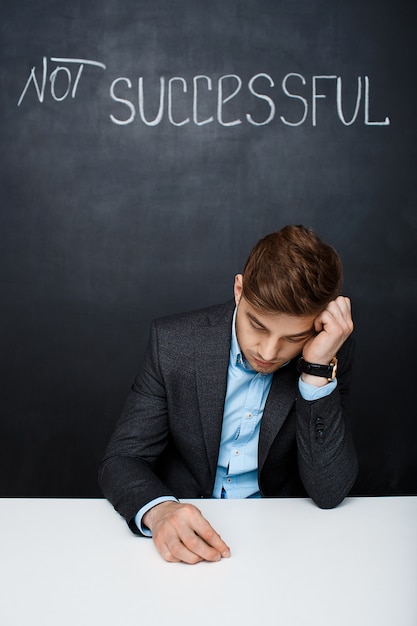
point(212, 351)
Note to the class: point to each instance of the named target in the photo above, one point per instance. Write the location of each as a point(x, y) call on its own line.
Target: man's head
point(289, 278)
point(292, 271)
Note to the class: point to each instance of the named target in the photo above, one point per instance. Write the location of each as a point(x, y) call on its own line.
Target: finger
point(210, 537)
point(177, 552)
point(340, 312)
point(171, 547)
point(192, 549)
point(342, 305)
point(337, 311)
point(187, 547)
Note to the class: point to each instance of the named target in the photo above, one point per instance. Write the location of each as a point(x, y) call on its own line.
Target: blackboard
point(145, 147)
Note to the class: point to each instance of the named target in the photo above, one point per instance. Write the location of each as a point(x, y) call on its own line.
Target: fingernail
point(226, 554)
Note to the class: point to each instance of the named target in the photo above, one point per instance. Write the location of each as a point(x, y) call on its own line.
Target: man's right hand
point(182, 534)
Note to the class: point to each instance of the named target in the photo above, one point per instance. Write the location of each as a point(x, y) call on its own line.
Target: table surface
point(70, 562)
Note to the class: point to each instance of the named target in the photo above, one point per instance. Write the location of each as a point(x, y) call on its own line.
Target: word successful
point(181, 100)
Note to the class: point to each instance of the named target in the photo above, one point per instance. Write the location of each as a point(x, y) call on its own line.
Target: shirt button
point(229, 480)
point(237, 452)
point(249, 415)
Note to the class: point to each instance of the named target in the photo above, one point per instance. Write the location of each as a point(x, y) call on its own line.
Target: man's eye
point(256, 327)
point(296, 339)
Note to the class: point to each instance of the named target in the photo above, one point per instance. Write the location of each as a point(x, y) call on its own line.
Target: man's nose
point(269, 349)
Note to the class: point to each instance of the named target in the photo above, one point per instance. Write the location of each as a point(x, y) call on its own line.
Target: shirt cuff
point(139, 515)
point(311, 392)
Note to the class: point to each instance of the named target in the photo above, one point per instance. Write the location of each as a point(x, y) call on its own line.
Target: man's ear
point(238, 288)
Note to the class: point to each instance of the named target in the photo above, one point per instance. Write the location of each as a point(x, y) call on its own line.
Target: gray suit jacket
point(167, 439)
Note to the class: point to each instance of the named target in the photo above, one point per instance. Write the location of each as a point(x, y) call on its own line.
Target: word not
point(60, 72)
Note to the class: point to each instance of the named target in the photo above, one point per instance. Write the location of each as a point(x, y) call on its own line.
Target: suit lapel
point(280, 400)
point(212, 349)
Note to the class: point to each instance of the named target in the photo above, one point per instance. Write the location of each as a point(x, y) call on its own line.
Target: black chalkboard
point(145, 147)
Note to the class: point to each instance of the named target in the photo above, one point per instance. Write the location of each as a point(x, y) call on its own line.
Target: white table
point(76, 563)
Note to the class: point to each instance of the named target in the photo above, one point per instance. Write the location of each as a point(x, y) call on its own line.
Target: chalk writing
point(71, 83)
point(309, 100)
point(180, 100)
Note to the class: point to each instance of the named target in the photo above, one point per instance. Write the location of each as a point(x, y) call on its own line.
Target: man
point(244, 399)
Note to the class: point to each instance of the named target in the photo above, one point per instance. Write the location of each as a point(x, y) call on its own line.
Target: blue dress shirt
point(247, 391)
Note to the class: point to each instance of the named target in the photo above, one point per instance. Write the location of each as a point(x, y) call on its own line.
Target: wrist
point(147, 519)
point(155, 512)
point(311, 392)
point(143, 524)
point(324, 371)
point(316, 381)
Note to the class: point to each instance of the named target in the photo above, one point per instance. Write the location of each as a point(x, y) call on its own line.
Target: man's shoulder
point(207, 316)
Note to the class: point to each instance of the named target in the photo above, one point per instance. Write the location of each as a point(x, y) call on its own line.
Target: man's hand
point(333, 326)
point(181, 533)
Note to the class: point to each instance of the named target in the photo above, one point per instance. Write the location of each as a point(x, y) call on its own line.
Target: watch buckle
point(333, 363)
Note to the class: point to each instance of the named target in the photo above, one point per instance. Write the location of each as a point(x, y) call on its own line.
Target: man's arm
point(126, 475)
point(327, 458)
point(128, 479)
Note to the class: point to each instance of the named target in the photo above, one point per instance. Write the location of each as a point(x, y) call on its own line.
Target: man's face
point(269, 340)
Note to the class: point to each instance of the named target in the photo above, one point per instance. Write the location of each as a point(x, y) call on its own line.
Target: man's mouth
point(264, 363)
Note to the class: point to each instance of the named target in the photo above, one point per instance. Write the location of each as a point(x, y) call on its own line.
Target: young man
point(244, 399)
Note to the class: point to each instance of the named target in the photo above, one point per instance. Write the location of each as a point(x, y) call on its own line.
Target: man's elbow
point(330, 495)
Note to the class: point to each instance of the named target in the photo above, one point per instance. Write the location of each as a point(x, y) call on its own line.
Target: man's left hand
point(333, 326)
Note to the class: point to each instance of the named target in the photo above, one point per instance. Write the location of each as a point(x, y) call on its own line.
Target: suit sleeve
point(327, 458)
point(126, 474)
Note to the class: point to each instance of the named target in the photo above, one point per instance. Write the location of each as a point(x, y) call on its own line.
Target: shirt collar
point(236, 356)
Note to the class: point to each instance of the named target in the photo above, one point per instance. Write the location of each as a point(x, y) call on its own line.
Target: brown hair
point(292, 271)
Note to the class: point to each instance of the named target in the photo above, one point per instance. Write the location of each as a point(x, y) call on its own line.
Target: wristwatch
point(316, 369)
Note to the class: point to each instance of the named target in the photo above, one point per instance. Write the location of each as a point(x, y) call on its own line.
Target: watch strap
point(317, 369)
